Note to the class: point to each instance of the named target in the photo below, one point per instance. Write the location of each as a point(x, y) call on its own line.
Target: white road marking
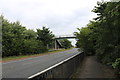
point(53, 66)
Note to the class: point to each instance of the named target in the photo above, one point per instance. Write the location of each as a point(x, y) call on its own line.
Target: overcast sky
point(61, 16)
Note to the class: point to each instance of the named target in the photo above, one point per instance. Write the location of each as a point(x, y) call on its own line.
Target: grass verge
point(29, 56)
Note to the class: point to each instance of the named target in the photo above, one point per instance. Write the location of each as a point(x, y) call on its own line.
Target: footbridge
point(65, 36)
point(58, 37)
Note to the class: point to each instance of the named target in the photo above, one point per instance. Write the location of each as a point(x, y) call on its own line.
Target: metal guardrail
point(64, 36)
point(70, 35)
point(64, 69)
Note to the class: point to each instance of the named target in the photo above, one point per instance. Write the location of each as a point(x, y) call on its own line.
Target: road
point(28, 67)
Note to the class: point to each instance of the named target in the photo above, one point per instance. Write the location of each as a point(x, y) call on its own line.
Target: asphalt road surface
point(30, 66)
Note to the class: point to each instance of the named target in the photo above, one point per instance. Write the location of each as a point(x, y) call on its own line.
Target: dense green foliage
point(116, 65)
point(66, 43)
point(0, 37)
point(17, 40)
point(85, 42)
point(46, 36)
point(102, 35)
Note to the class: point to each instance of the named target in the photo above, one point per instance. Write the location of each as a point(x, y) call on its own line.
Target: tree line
point(17, 40)
point(101, 36)
point(66, 43)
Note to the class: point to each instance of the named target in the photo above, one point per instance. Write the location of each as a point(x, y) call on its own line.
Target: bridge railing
point(62, 36)
point(64, 69)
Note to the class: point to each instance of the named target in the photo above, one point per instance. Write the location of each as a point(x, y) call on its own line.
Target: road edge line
point(32, 76)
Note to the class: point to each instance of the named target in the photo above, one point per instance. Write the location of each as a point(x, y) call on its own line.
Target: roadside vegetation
point(101, 36)
point(17, 40)
point(5, 59)
point(66, 43)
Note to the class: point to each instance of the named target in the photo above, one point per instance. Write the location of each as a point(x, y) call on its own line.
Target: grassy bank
point(28, 56)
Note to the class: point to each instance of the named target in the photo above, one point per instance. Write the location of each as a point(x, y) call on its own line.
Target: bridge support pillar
point(55, 45)
point(47, 46)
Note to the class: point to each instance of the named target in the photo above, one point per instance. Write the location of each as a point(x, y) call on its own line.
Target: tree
point(17, 40)
point(45, 35)
point(84, 41)
point(102, 34)
point(30, 34)
point(66, 43)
